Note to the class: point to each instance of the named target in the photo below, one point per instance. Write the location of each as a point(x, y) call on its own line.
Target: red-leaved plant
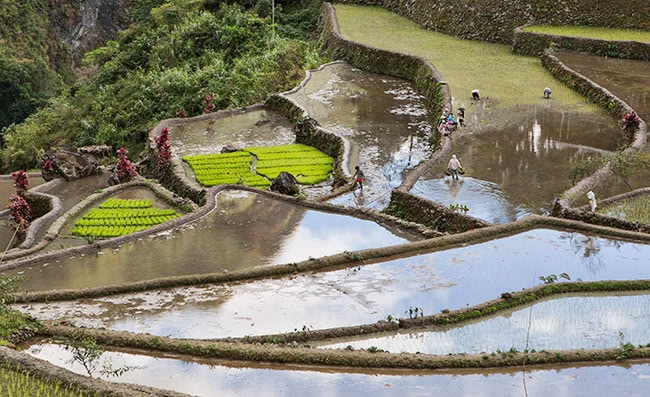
point(124, 170)
point(20, 211)
point(164, 149)
point(209, 106)
point(18, 206)
point(21, 183)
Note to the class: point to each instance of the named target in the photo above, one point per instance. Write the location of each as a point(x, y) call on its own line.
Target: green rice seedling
point(306, 163)
point(634, 209)
point(592, 32)
point(120, 217)
point(464, 64)
point(15, 382)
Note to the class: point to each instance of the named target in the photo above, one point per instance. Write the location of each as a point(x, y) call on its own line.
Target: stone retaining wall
point(496, 20)
point(584, 214)
point(431, 214)
point(420, 71)
point(534, 44)
point(617, 109)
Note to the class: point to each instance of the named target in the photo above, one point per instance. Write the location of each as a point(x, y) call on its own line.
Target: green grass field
point(464, 64)
point(592, 32)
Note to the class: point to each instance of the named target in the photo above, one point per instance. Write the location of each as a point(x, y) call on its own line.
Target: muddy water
point(382, 117)
point(556, 324)
point(245, 230)
point(71, 193)
point(517, 170)
point(215, 378)
point(252, 128)
point(628, 79)
point(449, 279)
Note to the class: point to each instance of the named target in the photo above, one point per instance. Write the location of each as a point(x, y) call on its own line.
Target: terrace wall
point(431, 214)
point(496, 20)
point(534, 44)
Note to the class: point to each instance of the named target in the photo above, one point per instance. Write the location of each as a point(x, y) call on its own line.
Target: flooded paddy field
point(451, 279)
point(628, 79)
point(209, 134)
point(245, 229)
point(382, 117)
point(576, 322)
point(517, 170)
point(201, 377)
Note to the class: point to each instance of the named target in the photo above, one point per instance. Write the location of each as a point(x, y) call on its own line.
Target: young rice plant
point(118, 217)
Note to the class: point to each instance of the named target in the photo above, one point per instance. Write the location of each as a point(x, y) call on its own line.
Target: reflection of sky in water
point(383, 118)
point(558, 324)
point(246, 230)
point(485, 200)
point(214, 379)
point(314, 237)
point(449, 279)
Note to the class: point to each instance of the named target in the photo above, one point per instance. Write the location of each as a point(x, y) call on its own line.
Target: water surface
point(203, 135)
point(361, 294)
point(383, 118)
point(245, 230)
point(211, 378)
point(577, 322)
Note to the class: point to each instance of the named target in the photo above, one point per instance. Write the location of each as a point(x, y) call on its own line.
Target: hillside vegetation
point(165, 66)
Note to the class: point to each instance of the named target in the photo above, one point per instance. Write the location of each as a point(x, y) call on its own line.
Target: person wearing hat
point(476, 95)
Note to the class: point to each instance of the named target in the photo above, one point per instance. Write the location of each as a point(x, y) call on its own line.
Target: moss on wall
point(529, 43)
point(431, 214)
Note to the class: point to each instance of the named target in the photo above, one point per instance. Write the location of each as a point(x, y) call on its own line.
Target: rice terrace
point(246, 199)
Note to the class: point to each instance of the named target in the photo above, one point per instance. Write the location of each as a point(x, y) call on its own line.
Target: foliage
point(225, 168)
point(124, 170)
point(593, 32)
point(164, 149)
point(627, 166)
point(551, 278)
point(118, 217)
point(582, 168)
point(458, 207)
point(162, 67)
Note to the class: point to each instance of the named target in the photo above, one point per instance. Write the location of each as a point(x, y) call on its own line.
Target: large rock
point(285, 183)
point(68, 163)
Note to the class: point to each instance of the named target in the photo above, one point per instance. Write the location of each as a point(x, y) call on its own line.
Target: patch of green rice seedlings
point(634, 209)
point(16, 383)
point(592, 32)
point(120, 217)
point(464, 64)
